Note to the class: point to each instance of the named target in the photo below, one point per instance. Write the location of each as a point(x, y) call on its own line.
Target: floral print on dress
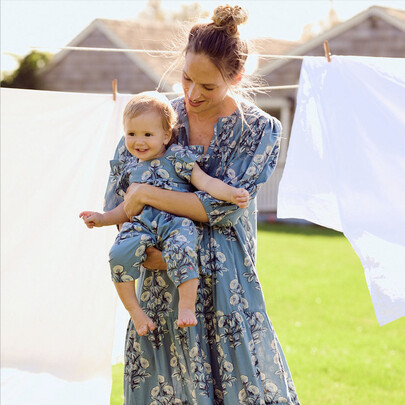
point(156, 300)
point(231, 328)
point(232, 356)
point(163, 393)
point(200, 368)
point(225, 369)
point(136, 366)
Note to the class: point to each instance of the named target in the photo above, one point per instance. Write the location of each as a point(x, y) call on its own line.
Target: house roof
point(393, 17)
point(138, 35)
point(133, 34)
point(398, 14)
point(271, 46)
point(142, 35)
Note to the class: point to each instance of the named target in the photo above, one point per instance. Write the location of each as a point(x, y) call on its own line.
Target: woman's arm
point(177, 203)
point(252, 163)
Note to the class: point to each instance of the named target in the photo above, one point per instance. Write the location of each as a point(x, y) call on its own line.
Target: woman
point(232, 355)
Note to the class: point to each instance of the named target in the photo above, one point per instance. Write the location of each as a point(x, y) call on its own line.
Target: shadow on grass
point(299, 229)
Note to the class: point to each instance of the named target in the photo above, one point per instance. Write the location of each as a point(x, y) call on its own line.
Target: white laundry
point(345, 166)
point(57, 299)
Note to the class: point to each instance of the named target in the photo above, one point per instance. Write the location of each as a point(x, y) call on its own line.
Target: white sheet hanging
point(57, 299)
point(345, 167)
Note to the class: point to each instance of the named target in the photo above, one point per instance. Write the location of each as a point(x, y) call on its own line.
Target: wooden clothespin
point(114, 88)
point(327, 50)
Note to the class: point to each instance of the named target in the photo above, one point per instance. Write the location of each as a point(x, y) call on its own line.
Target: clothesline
point(155, 51)
point(150, 51)
point(292, 86)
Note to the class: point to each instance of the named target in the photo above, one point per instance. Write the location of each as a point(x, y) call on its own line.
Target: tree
point(153, 11)
point(26, 75)
point(313, 29)
point(188, 12)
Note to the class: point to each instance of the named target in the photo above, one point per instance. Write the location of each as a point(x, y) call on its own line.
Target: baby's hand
point(92, 219)
point(240, 197)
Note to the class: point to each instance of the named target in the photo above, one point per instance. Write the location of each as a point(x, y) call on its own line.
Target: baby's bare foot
point(143, 324)
point(240, 197)
point(186, 318)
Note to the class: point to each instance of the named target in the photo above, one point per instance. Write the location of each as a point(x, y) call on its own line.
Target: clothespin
point(114, 88)
point(327, 50)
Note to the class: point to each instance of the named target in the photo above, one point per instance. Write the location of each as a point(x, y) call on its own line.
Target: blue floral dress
point(175, 236)
point(232, 356)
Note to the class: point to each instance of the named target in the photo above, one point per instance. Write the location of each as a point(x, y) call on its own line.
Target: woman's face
point(204, 87)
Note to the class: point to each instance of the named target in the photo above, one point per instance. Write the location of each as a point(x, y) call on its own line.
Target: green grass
point(117, 391)
point(319, 304)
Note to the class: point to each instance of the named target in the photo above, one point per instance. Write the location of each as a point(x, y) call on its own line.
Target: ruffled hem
point(225, 359)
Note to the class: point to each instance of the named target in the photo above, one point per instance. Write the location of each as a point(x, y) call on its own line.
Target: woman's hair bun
point(229, 17)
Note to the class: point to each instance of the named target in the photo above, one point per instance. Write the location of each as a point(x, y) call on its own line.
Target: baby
point(149, 120)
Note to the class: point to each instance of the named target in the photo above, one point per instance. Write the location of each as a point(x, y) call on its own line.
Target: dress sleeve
point(250, 167)
point(112, 197)
point(184, 159)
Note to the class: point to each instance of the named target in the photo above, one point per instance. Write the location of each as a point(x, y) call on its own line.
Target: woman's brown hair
point(220, 41)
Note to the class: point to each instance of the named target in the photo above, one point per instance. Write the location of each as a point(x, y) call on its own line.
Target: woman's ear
point(238, 77)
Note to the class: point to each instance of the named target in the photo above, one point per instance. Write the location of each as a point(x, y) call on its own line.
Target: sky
point(54, 23)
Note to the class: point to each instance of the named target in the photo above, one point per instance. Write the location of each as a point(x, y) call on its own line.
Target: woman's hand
point(154, 260)
point(133, 200)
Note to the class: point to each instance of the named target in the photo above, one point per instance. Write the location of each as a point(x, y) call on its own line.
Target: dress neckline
point(186, 125)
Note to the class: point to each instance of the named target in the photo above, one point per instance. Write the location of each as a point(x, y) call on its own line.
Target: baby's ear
point(168, 136)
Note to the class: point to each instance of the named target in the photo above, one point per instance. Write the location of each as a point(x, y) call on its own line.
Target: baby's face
point(145, 137)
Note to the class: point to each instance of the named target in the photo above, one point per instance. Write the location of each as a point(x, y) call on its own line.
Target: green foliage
point(317, 298)
point(26, 75)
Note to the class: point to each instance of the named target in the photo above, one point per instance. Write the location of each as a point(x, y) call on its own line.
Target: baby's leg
point(128, 252)
point(179, 252)
point(187, 298)
point(142, 322)
point(126, 257)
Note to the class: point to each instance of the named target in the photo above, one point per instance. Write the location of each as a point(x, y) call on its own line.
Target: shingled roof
point(134, 34)
point(393, 17)
point(399, 14)
point(271, 46)
point(157, 36)
point(163, 36)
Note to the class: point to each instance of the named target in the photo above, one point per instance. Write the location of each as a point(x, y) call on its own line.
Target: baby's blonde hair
point(152, 101)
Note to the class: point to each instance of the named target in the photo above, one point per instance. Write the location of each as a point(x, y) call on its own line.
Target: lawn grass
point(319, 304)
point(117, 391)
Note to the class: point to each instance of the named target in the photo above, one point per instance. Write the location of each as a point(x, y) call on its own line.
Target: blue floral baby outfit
point(232, 356)
point(175, 236)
